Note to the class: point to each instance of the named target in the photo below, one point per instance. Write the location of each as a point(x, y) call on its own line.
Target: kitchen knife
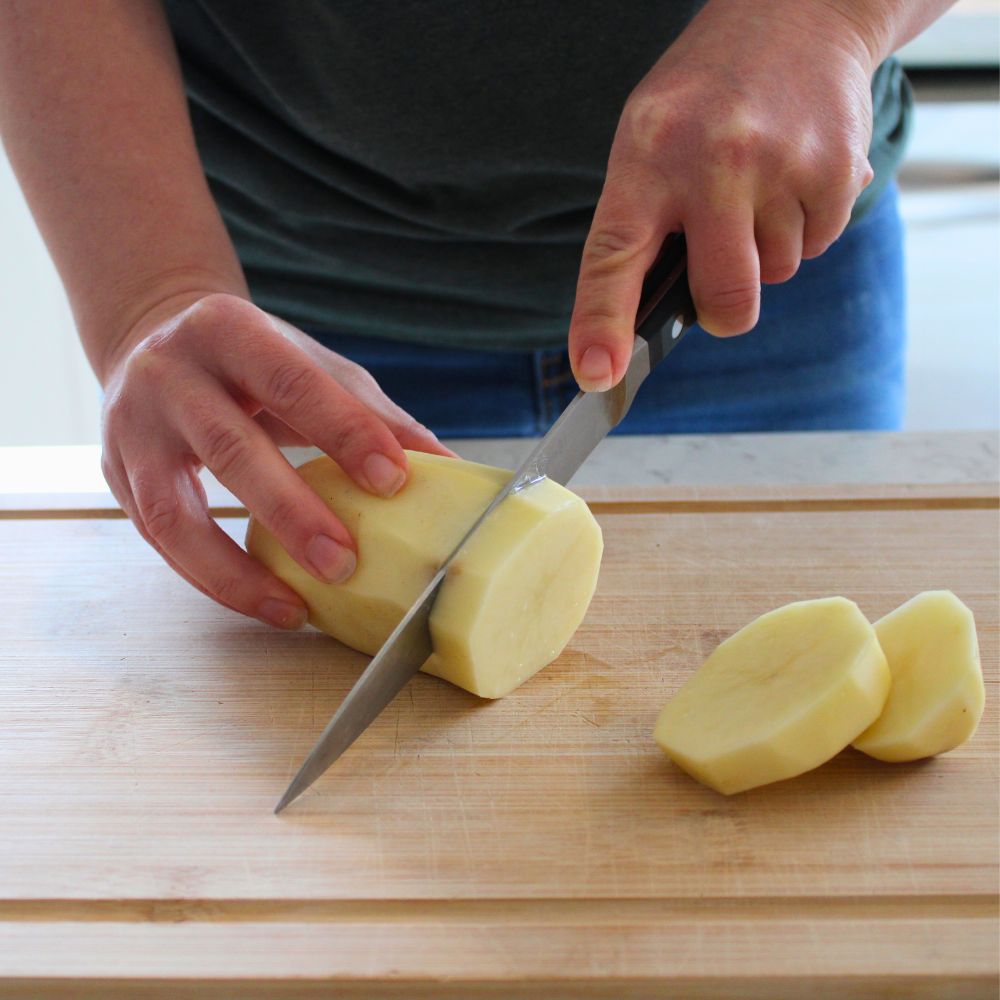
point(664, 315)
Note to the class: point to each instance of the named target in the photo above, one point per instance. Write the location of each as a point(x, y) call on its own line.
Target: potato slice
point(511, 600)
point(779, 697)
point(937, 695)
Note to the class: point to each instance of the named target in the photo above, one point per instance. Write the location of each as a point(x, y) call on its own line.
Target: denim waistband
point(827, 354)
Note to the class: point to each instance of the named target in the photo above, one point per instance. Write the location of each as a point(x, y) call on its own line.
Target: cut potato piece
point(937, 695)
point(511, 600)
point(781, 696)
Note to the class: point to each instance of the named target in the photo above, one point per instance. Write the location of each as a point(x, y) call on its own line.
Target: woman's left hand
point(750, 135)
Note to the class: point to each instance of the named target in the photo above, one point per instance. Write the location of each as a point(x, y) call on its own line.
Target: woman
point(435, 192)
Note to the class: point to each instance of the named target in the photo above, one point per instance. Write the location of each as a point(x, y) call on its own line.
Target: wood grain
point(535, 846)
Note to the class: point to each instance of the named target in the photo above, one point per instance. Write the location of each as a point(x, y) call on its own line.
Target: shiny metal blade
point(583, 425)
point(664, 315)
point(580, 428)
point(401, 656)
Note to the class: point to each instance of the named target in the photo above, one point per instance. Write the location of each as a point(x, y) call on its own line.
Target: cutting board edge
point(605, 499)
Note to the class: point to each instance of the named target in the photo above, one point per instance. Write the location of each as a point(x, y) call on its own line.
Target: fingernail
point(282, 614)
point(384, 475)
point(594, 371)
point(333, 562)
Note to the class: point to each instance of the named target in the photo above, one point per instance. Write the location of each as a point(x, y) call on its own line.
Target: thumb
point(630, 223)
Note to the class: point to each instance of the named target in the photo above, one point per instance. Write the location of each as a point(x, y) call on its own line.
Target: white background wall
point(47, 392)
point(951, 205)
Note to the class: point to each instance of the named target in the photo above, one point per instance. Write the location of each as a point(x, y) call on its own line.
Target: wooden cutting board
point(539, 846)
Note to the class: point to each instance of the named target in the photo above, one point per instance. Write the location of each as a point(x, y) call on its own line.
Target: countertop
point(865, 457)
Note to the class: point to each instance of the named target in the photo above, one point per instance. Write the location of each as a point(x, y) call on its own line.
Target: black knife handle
point(666, 310)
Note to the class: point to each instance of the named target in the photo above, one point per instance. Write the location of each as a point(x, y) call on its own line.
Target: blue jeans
point(827, 354)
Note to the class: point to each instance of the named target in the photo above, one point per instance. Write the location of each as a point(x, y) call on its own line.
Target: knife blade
point(664, 315)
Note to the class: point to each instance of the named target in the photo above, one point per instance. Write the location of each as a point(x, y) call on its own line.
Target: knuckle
point(778, 271)
point(284, 515)
point(108, 470)
point(738, 144)
point(225, 448)
point(777, 211)
point(648, 121)
point(356, 380)
point(352, 433)
point(736, 303)
point(598, 313)
point(613, 247)
point(817, 245)
point(734, 297)
point(355, 374)
point(847, 172)
point(291, 386)
point(161, 515)
point(823, 230)
point(839, 173)
point(116, 408)
point(407, 425)
point(228, 590)
point(860, 174)
point(213, 312)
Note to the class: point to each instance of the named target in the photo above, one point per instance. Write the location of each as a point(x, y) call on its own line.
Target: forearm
point(96, 126)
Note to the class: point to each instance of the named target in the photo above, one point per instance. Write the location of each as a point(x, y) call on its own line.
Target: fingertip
point(728, 326)
point(594, 370)
point(330, 560)
point(432, 447)
point(282, 613)
point(420, 438)
point(729, 312)
point(436, 446)
point(385, 477)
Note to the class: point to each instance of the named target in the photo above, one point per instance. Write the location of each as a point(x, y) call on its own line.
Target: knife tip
point(298, 785)
point(286, 800)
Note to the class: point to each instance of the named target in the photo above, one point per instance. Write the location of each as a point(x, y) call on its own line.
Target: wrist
point(858, 28)
point(864, 26)
point(111, 339)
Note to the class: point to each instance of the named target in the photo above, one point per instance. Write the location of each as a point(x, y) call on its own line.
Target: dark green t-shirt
point(427, 171)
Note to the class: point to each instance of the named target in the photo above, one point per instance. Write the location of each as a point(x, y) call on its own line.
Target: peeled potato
point(937, 695)
point(511, 600)
point(779, 697)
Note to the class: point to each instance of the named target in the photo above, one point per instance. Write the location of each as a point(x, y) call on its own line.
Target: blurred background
point(950, 184)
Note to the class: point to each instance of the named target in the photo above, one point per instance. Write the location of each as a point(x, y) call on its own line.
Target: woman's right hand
point(221, 383)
